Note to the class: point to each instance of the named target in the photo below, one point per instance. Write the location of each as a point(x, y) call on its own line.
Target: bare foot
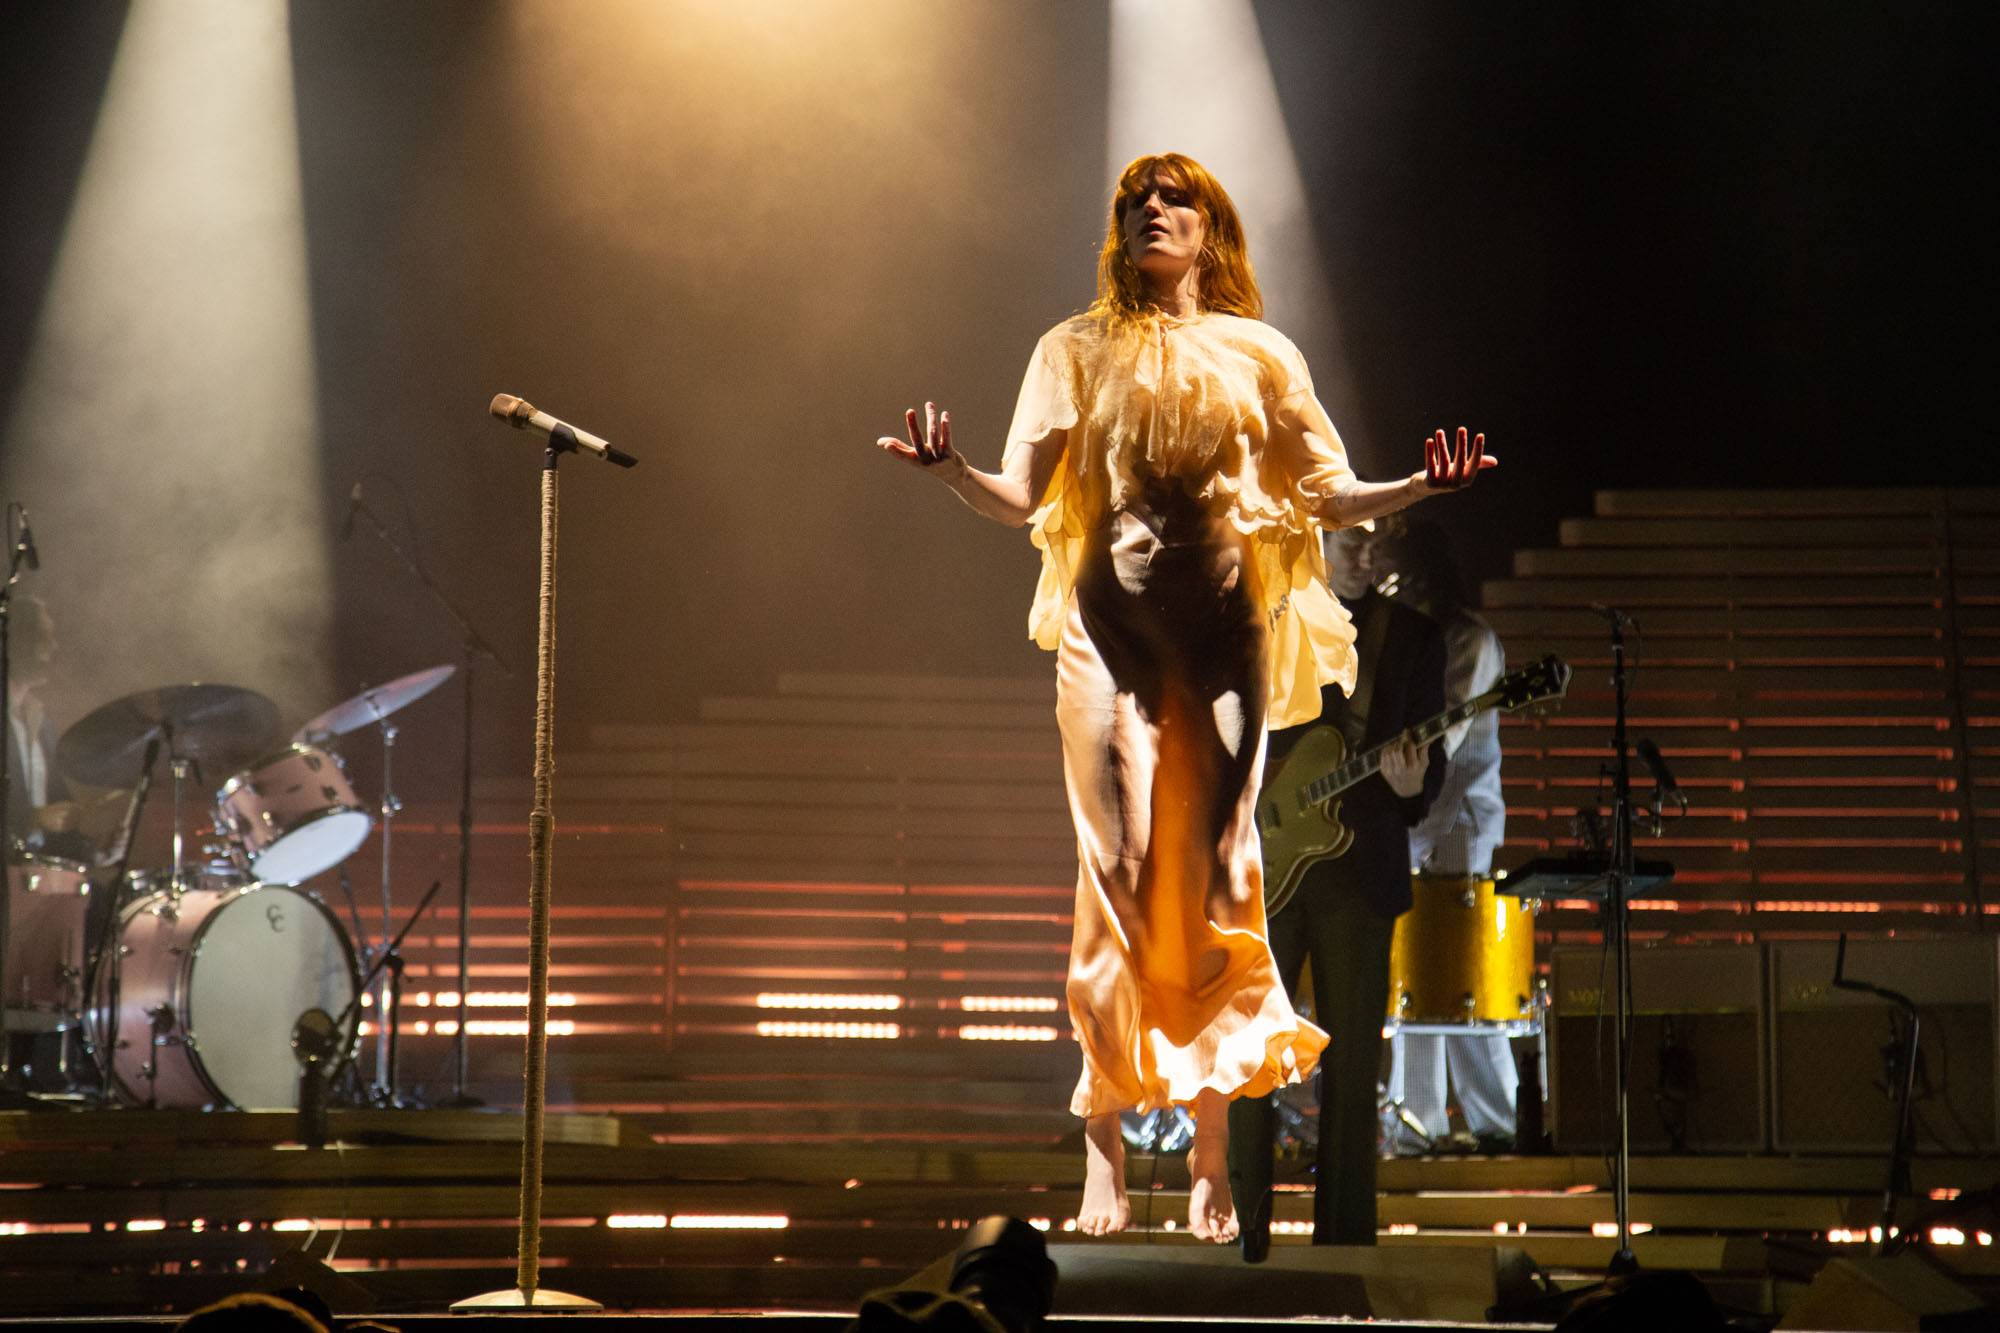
point(1105, 1208)
point(1211, 1209)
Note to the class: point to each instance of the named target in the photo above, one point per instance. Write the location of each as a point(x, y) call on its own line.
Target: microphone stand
point(527, 1291)
point(471, 648)
point(1903, 1094)
point(1618, 922)
point(314, 1042)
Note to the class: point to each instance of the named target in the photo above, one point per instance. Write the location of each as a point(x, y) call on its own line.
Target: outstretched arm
point(1446, 468)
point(1007, 496)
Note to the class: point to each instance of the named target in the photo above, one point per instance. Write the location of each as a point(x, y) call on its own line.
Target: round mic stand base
point(513, 1298)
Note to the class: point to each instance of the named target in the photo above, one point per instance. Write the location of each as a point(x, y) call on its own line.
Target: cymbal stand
point(105, 953)
point(471, 648)
point(386, 1000)
point(16, 554)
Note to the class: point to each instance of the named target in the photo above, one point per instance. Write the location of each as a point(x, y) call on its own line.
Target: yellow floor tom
point(1463, 958)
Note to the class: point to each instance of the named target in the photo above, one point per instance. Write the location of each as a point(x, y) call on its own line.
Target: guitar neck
point(1369, 761)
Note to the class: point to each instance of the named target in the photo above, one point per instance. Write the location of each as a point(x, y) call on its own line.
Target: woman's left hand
point(1452, 469)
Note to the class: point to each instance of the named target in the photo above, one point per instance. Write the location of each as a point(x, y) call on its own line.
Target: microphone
point(1613, 614)
point(27, 541)
point(524, 416)
point(1663, 777)
point(353, 508)
point(1665, 789)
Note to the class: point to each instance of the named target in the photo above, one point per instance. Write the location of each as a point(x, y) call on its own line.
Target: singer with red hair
point(1171, 462)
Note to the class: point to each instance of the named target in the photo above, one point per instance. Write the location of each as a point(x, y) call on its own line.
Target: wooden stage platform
point(135, 1213)
point(809, 968)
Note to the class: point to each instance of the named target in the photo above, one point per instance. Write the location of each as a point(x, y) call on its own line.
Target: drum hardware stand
point(1392, 1111)
point(182, 767)
point(11, 1097)
point(471, 648)
point(1903, 1091)
point(160, 1018)
point(527, 1290)
point(353, 907)
point(384, 1091)
point(390, 965)
point(1166, 1130)
point(316, 1037)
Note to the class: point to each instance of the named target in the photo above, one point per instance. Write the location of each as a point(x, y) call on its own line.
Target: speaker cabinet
point(1698, 1053)
point(1829, 1069)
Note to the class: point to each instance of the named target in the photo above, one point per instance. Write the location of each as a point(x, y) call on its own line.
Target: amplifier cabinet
point(1829, 1066)
point(1698, 1057)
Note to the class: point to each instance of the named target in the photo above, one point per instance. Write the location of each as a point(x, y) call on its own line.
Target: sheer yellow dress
point(1183, 592)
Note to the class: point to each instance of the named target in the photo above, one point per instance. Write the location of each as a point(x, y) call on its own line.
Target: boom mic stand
point(1903, 1093)
point(316, 1038)
point(103, 969)
point(471, 648)
point(1618, 922)
point(527, 1290)
point(1617, 881)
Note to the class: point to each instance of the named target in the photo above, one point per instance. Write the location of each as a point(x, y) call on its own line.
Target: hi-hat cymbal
point(219, 725)
point(372, 705)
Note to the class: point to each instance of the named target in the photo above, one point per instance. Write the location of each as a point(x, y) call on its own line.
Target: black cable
point(1606, 1115)
point(1943, 1042)
point(1152, 1178)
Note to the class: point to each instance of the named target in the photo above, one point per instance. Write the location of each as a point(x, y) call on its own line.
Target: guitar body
point(1296, 834)
point(1297, 831)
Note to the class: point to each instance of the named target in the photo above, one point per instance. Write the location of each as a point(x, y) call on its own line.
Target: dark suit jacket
point(1409, 688)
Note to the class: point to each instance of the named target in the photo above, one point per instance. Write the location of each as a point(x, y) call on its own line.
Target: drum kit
point(188, 987)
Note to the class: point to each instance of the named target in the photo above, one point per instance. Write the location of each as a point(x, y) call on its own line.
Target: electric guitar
point(1298, 811)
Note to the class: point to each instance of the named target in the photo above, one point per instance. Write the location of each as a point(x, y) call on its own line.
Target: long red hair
point(1227, 283)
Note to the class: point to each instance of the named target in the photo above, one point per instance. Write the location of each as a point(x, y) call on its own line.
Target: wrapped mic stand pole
point(527, 1290)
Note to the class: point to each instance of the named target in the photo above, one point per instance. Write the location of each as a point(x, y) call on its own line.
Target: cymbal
point(372, 705)
point(220, 725)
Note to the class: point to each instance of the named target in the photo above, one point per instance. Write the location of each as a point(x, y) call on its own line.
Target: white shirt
point(28, 764)
point(1468, 821)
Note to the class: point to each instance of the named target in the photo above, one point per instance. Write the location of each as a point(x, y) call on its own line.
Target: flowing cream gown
point(1183, 591)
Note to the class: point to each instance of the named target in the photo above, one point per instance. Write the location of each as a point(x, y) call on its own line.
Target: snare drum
point(1463, 957)
point(209, 989)
point(48, 906)
point(292, 815)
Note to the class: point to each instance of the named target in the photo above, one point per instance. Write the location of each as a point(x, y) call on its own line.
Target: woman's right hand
point(928, 447)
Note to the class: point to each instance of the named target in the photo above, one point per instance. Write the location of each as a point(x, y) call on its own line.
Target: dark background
point(1639, 245)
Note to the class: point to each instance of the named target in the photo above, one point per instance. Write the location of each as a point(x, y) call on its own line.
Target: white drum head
point(320, 844)
point(265, 956)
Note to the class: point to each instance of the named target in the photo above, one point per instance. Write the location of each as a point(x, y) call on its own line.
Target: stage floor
point(122, 1215)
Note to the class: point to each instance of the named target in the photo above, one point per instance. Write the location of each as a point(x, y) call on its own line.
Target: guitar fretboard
point(1369, 761)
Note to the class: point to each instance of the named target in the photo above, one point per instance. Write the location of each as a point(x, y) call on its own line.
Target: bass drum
point(210, 988)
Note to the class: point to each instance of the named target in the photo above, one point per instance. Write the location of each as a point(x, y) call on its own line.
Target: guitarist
point(1344, 914)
